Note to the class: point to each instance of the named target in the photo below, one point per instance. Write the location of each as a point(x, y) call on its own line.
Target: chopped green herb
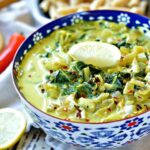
point(98, 40)
point(109, 78)
point(140, 74)
point(123, 43)
point(82, 36)
point(47, 77)
point(78, 66)
point(146, 54)
point(59, 77)
point(57, 44)
point(115, 80)
point(136, 87)
point(68, 90)
point(94, 70)
point(84, 90)
point(103, 25)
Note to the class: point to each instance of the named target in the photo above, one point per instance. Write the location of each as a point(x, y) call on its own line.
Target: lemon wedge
point(95, 53)
point(12, 127)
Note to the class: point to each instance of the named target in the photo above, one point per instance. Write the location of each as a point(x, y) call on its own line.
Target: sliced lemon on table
point(12, 127)
point(95, 53)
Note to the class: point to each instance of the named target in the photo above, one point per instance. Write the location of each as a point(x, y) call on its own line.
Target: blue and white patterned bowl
point(90, 135)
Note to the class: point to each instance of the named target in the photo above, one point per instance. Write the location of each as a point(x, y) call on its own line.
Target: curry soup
point(70, 89)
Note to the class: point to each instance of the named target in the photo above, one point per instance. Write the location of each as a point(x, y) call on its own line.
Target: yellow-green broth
point(62, 87)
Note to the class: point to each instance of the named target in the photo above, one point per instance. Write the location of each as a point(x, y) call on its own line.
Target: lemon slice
point(96, 53)
point(12, 127)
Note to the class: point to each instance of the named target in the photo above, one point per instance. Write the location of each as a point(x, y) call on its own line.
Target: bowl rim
point(49, 115)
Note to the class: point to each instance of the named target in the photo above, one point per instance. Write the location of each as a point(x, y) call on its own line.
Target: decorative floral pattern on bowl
point(36, 37)
point(76, 19)
point(124, 18)
point(102, 135)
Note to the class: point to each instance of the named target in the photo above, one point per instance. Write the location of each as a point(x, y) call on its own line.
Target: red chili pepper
point(7, 54)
